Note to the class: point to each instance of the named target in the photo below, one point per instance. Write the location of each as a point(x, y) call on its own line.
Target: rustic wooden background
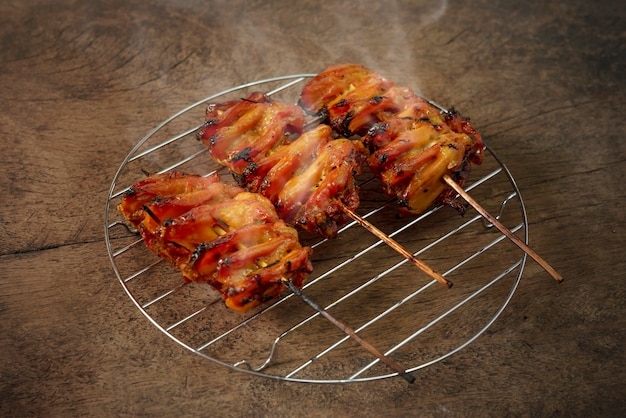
point(81, 82)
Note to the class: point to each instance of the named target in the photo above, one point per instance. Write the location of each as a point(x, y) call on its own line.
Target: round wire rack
point(387, 301)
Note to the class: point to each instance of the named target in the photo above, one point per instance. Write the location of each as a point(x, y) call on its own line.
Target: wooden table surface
point(82, 82)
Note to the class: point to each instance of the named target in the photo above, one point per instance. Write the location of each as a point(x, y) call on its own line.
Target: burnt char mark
point(248, 172)
point(240, 179)
point(462, 172)
point(197, 253)
point(323, 115)
point(208, 246)
point(225, 261)
point(345, 123)
point(207, 123)
point(378, 128)
point(341, 103)
point(244, 155)
point(452, 113)
point(130, 192)
point(151, 214)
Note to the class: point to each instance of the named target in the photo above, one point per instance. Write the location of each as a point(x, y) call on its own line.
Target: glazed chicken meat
point(308, 175)
point(412, 143)
point(219, 234)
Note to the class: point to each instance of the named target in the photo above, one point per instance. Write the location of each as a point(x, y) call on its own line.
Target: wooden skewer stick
point(396, 246)
point(517, 241)
point(350, 332)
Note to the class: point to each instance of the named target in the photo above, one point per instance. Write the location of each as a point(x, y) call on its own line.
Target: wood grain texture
point(82, 82)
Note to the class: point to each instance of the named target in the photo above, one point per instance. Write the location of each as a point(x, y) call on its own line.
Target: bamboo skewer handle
point(350, 332)
point(396, 246)
point(517, 241)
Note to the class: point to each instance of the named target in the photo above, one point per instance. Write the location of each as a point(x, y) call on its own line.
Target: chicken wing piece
point(159, 186)
point(290, 171)
point(413, 144)
point(218, 234)
point(412, 165)
point(314, 199)
point(269, 175)
point(330, 84)
point(237, 132)
point(248, 264)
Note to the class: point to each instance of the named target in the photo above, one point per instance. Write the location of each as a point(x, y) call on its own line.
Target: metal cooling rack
point(358, 279)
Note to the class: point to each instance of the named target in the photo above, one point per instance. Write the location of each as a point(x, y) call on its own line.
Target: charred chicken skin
point(314, 197)
point(240, 131)
point(307, 175)
point(412, 143)
point(218, 234)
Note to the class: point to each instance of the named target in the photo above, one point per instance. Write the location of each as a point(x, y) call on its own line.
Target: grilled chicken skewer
point(229, 238)
point(308, 175)
point(309, 178)
point(421, 155)
point(412, 143)
point(218, 234)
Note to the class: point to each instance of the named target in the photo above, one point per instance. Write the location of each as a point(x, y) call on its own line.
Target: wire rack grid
point(386, 300)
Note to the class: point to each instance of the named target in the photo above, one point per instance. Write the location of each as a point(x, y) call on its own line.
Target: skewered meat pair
point(412, 144)
point(422, 156)
point(308, 175)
